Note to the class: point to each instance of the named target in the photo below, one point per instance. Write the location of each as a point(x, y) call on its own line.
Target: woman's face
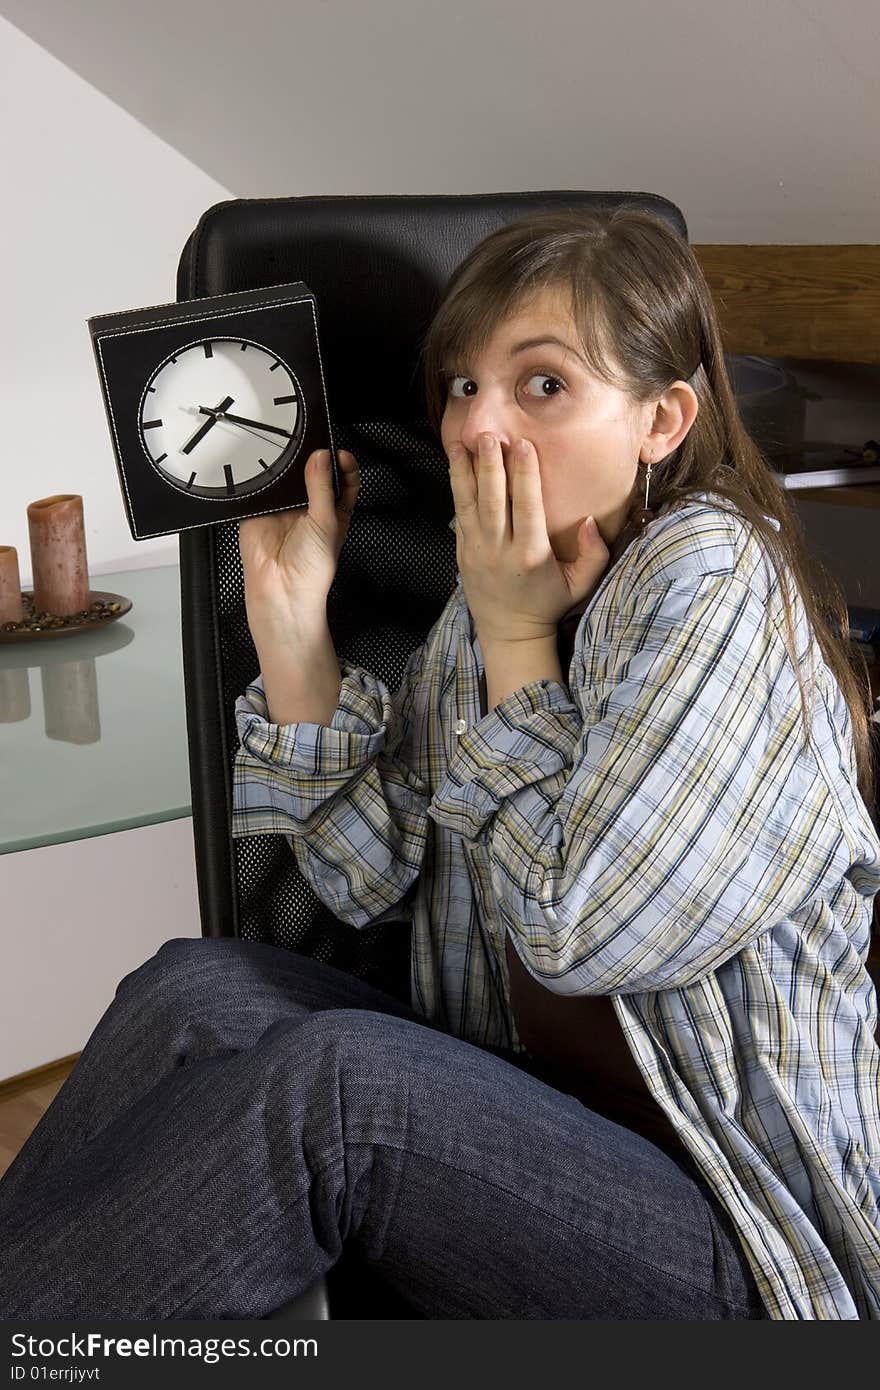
point(588, 435)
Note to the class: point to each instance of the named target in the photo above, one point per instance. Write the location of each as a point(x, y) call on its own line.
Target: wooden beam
point(797, 301)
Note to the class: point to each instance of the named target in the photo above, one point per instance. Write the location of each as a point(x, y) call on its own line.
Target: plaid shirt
point(655, 831)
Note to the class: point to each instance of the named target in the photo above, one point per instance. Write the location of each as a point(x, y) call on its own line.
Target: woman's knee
point(195, 996)
point(173, 968)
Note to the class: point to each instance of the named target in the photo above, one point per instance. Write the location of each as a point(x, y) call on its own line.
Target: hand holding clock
point(289, 558)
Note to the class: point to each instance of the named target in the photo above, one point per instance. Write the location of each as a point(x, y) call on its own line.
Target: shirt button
point(460, 726)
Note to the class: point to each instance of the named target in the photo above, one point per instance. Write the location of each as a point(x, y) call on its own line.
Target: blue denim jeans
point(241, 1111)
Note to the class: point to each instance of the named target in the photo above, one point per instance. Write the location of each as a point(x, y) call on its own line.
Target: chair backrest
point(378, 267)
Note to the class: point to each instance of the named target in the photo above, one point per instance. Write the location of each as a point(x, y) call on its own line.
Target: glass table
point(93, 725)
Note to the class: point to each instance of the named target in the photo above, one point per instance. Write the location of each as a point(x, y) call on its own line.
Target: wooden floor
point(21, 1107)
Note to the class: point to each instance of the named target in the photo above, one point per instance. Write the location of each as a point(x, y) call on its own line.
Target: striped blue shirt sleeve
point(645, 834)
point(344, 795)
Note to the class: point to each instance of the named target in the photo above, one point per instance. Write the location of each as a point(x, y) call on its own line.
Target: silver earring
point(644, 514)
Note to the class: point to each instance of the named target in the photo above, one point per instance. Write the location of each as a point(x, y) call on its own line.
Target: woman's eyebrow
point(539, 342)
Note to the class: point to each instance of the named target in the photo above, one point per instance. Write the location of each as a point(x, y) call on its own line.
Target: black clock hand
point(200, 433)
point(262, 438)
point(222, 414)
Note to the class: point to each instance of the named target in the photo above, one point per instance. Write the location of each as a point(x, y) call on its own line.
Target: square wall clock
point(214, 406)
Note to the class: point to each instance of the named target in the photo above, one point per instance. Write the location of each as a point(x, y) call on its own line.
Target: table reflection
point(15, 696)
point(68, 670)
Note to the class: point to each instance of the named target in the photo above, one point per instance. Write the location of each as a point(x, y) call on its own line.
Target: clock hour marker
point(262, 463)
point(192, 478)
point(244, 347)
point(151, 388)
point(161, 457)
point(230, 481)
point(274, 365)
point(152, 424)
point(284, 400)
point(209, 350)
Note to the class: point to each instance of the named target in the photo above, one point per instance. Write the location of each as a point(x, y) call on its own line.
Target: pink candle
point(11, 607)
point(58, 555)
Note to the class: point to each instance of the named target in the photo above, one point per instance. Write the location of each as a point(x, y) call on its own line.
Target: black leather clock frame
point(130, 347)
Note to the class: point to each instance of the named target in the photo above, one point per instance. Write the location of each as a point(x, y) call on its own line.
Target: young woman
point(622, 789)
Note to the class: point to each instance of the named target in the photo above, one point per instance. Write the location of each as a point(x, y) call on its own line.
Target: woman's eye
point(542, 378)
point(458, 385)
point(542, 384)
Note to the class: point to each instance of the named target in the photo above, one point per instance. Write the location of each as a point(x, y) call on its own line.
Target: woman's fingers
point(462, 482)
point(319, 481)
point(350, 479)
point(479, 487)
point(492, 495)
point(528, 517)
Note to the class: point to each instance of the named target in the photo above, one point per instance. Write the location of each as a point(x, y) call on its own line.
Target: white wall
point(96, 212)
point(81, 916)
point(97, 209)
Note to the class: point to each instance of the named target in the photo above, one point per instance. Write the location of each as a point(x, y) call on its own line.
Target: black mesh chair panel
point(395, 573)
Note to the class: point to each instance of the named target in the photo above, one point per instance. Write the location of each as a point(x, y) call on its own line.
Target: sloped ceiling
point(759, 117)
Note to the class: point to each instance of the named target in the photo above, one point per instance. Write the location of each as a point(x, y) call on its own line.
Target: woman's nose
point(484, 417)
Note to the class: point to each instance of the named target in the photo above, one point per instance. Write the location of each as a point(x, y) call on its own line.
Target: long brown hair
point(637, 288)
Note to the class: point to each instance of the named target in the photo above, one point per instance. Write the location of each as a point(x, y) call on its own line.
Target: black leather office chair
point(378, 266)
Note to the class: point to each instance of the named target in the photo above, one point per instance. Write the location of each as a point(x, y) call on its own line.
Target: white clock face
point(221, 417)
